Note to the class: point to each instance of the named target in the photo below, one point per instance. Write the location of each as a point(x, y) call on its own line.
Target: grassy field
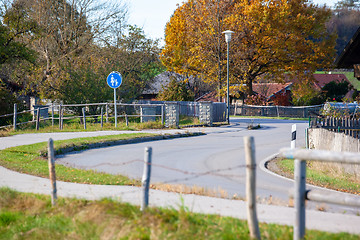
point(321, 178)
point(31, 216)
point(74, 125)
point(31, 159)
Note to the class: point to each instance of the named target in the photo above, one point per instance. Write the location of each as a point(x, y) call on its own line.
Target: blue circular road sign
point(114, 80)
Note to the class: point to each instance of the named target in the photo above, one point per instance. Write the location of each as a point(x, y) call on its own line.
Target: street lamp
point(227, 40)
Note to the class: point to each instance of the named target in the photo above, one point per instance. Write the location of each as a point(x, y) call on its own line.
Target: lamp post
point(227, 40)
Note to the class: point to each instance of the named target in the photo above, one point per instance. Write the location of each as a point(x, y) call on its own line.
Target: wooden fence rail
point(300, 193)
point(348, 125)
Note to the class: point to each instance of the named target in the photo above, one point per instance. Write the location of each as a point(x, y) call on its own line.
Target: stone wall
point(322, 139)
point(206, 113)
point(172, 113)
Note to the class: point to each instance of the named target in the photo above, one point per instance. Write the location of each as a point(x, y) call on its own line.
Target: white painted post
point(146, 178)
point(15, 116)
point(52, 175)
point(293, 136)
point(251, 187)
point(84, 117)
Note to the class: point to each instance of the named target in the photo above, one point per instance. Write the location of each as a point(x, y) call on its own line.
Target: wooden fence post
point(52, 115)
point(146, 178)
point(107, 112)
point(84, 117)
point(52, 176)
point(251, 187)
point(37, 119)
point(162, 114)
point(15, 116)
point(60, 117)
point(102, 116)
point(299, 198)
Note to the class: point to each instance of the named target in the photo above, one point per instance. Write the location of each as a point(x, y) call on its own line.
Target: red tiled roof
point(323, 79)
point(269, 89)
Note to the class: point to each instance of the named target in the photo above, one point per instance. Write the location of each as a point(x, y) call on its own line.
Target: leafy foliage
point(258, 99)
point(176, 91)
point(335, 91)
point(78, 43)
point(271, 38)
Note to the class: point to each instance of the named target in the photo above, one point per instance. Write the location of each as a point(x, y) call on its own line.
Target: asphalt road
point(220, 153)
point(214, 151)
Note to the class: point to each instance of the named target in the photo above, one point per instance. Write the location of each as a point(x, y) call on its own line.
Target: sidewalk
point(330, 222)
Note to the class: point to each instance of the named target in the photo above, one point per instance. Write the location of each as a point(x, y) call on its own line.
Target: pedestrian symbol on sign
point(114, 80)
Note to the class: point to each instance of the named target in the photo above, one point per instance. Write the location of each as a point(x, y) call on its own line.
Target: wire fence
point(92, 112)
point(275, 111)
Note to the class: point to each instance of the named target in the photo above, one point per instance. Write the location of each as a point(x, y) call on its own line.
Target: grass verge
point(31, 159)
point(31, 216)
point(77, 127)
point(319, 178)
point(74, 125)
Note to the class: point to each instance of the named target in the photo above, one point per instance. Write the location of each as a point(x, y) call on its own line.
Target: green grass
point(31, 159)
point(321, 178)
point(77, 127)
point(74, 125)
point(31, 216)
point(187, 120)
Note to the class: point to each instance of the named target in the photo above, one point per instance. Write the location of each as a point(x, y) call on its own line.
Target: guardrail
point(300, 157)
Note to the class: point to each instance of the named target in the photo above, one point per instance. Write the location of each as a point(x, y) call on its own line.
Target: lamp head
point(228, 35)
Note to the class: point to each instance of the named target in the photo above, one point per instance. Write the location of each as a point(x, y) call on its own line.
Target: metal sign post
point(114, 81)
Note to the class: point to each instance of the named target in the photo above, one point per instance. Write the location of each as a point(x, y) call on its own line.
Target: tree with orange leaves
point(272, 37)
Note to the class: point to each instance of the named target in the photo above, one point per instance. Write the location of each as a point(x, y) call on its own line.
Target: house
point(271, 91)
point(162, 79)
point(322, 79)
point(276, 93)
point(350, 57)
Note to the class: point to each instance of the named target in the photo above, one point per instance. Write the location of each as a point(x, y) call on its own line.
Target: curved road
point(220, 148)
point(214, 161)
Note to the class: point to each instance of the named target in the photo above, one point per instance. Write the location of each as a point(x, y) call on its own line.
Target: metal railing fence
point(94, 112)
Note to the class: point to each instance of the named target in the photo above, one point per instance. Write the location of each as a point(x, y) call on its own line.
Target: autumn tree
point(175, 91)
point(82, 78)
point(64, 29)
point(194, 41)
point(271, 38)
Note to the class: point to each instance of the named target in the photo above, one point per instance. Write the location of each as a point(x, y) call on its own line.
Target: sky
point(152, 15)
